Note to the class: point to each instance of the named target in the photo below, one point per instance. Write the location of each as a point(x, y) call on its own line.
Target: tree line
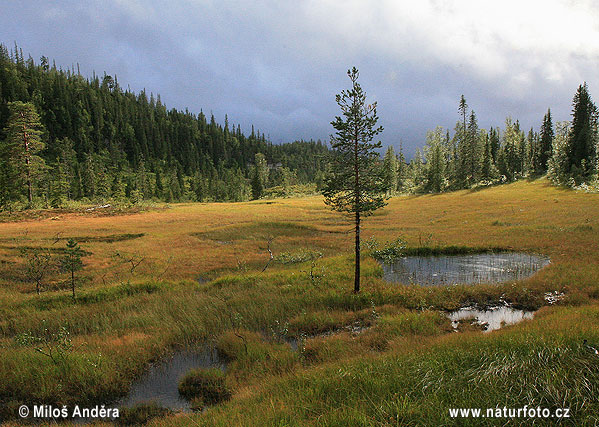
point(472, 156)
point(64, 137)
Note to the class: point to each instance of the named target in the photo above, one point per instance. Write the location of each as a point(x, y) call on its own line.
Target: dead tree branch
point(269, 253)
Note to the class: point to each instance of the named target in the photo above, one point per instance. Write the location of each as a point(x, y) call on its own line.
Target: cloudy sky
point(279, 64)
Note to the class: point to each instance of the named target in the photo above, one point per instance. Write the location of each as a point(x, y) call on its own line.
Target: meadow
point(173, 276)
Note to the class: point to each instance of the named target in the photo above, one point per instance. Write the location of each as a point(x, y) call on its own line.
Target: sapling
point(71, 262)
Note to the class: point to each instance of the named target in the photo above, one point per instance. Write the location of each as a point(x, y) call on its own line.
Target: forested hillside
point(77, 138)
point(65, 137)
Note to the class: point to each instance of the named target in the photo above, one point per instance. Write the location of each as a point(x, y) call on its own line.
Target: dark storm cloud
point(279, 64)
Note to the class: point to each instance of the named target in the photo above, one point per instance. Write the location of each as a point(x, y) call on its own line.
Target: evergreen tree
point(462, 146)
point(402, 169)
point(390, 166)
point(356, 182)
point(558, 167)
point(22, 145)
point(545, 143)
point(417, 171)
point(471, 153)
point(71, 262)
point(489, 171)
point(259, 175)
point(510, 156)
point(494, 141)
point(436, 161)
point(583, 136)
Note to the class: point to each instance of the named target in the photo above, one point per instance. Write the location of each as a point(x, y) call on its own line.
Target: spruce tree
point(355, 184)
point(401, 169)
point(583, 135)
point(472, 154)
point(545, 143)
point(391, 168)
point(435, 161)
point(259, 175)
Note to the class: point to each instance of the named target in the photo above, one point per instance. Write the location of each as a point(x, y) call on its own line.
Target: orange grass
point(526, 216)
point(135, 323)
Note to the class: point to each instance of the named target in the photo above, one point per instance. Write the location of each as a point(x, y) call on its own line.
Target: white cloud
point(279, 63)
point(490, 39)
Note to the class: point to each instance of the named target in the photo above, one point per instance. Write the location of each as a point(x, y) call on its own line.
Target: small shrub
point(301, 255)
point(55, 345)
point(392, 250)
point(141, 414)
point(207, 384)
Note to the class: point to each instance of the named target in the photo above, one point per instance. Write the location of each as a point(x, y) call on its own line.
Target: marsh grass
point(523, 365)
point(407, 369)
point(207, 385)
point(141, 414)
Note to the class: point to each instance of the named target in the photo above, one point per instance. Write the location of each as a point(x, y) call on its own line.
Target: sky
point(279, 64)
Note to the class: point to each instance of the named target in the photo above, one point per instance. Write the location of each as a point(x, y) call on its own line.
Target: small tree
point(71, 262)
point(355, 184)
point(38, 265)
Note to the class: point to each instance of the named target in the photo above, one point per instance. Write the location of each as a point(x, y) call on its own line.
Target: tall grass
point(407, 369)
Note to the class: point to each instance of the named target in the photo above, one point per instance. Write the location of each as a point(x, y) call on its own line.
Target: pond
point(467, 269)
point(160, 383)
point(492, 319)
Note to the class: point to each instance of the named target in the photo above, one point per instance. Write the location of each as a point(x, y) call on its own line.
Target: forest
point(475, 157)
point(92, 141)
point(67, 140)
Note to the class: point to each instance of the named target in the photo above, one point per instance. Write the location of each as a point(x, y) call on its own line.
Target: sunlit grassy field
point(167, 278)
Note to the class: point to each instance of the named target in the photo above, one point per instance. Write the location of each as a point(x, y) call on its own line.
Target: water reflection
point(451, 269)
point(160, 383)
point(493, 318)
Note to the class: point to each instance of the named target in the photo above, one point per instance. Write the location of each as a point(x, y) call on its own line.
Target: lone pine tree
point(356, 183)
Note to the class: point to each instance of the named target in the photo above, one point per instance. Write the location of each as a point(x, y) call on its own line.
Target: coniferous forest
point(64, 137)
point(472, 157)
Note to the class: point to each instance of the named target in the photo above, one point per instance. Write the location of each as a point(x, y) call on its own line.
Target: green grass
point(207, 385)
point(532, 364)
point(406, 368)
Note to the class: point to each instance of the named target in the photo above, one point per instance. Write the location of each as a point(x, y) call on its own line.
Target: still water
point(492, 319)
point(468, 269)
point(160, 383)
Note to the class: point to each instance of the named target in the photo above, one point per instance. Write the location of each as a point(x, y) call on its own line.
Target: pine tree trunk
point(357, 209)
point(27, 165)
point(357, 271)
point(73, 282)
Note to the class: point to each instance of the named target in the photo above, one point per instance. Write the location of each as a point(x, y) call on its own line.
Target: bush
point(140, 414)
point(206, 384)
point(392, 249)
point(302, 255)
